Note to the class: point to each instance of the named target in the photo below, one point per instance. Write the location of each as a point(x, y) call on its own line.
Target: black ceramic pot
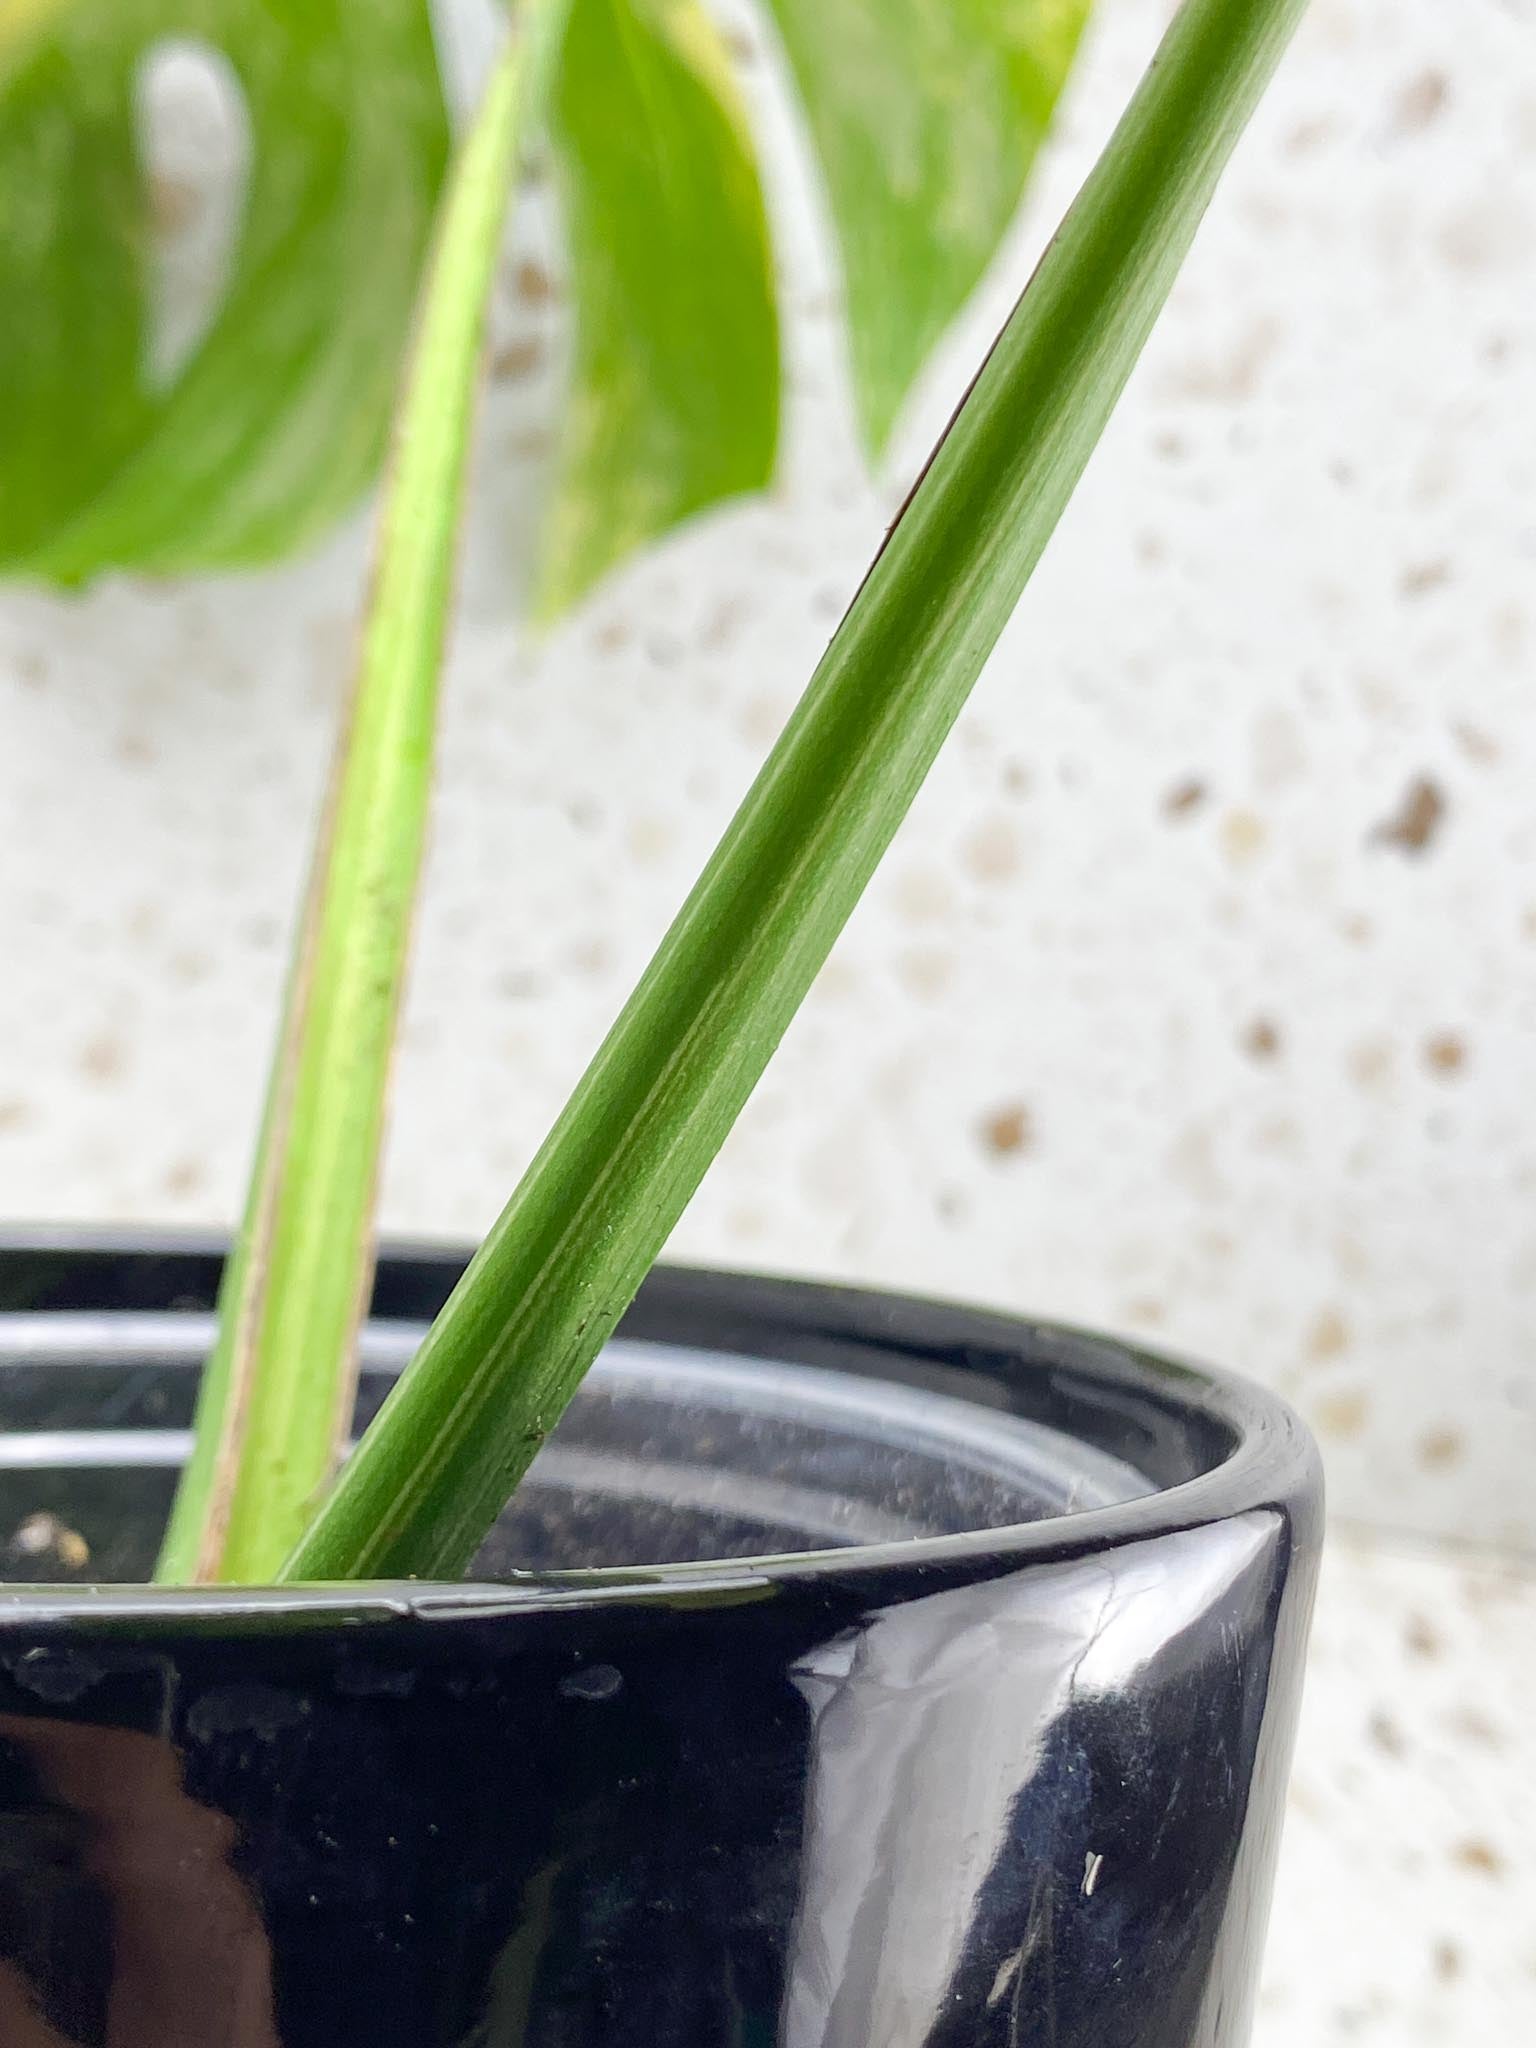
point(877, 1675)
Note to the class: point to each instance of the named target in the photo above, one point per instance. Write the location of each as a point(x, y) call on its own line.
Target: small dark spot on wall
point(1440, 1448)
point(517, 358)
point(1445, 1053)
point(1370, 1062)
point(1445, 1960)
point(720, 627)
point(102, 1058)
point(1309, 135)
point(1476, 1854)
point(1419, 102)
point(1008, 1131)
point(1417, 819)
point(518, 985)
point(1261, 1039)
point(1422, 1640)
point(1475, 743)
point(1342, 1416)
point(1385, 1733)
point(174, 203)
point(924, 971)
point(1185, 798)
point(1471, 1724)
point(190, 966)
point(184, 1176)
point(591, 955)
point(14, 1115)
point(1419, 578)
point(1328, 1336)
point(1146, 1311)
point(533, 283)
point(991, 852)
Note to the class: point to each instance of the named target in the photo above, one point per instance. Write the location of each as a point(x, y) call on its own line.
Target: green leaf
point(276, 422)
point(925, 116)
point(548, 1285)
point(277, 1393)
point(674, 402)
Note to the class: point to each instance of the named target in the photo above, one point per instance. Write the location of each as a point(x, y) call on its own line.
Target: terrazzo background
point(1196, 998)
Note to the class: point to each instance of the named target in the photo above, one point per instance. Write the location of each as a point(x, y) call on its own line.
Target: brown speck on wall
point(1475, 743)
point(1146, 1311)
point(1007, 1131)
point(1422, 1639)
point(1261, 1039)
point(1420, 100)
point(533, 283)
point(1440, 1448)
point(1413, 825)
point(184, 1177)
point(1445, 1053)
point(1243, 836)
point(1480, 1856)
point(1342, 1416)
point(1385, 1733)
point(1185, 798)
point(1421, 577)
point(517, 359)
point(102, 1058)
point(1370, 1062)
point(1446, 1961)
point(991, 853)
point(1328, 1336)
point(924, 971)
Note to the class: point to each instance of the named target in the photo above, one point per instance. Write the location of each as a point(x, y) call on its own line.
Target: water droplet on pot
point(595, 1682)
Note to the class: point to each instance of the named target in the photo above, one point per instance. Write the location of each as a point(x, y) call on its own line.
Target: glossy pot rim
point(1272, 1460)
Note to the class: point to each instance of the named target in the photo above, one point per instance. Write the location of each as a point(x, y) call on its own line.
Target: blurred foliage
point(924, 116)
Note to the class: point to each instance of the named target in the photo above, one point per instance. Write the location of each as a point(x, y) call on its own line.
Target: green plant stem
point(613, 1177)
point(277, 1393)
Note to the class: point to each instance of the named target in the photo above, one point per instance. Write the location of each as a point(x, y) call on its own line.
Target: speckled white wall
point(1197, 997)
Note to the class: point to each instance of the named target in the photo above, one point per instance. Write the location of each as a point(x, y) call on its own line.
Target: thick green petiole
point(613, 1177)
point(277, 1394)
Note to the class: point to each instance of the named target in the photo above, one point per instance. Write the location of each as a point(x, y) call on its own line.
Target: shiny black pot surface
point(856, 1673)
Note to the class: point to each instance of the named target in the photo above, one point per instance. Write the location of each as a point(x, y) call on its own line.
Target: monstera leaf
point(277, 420)
point(675, 399)
point(924, 116)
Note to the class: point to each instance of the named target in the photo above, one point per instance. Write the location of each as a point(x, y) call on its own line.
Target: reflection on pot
point(1026, 1798)
point(136, 1873)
